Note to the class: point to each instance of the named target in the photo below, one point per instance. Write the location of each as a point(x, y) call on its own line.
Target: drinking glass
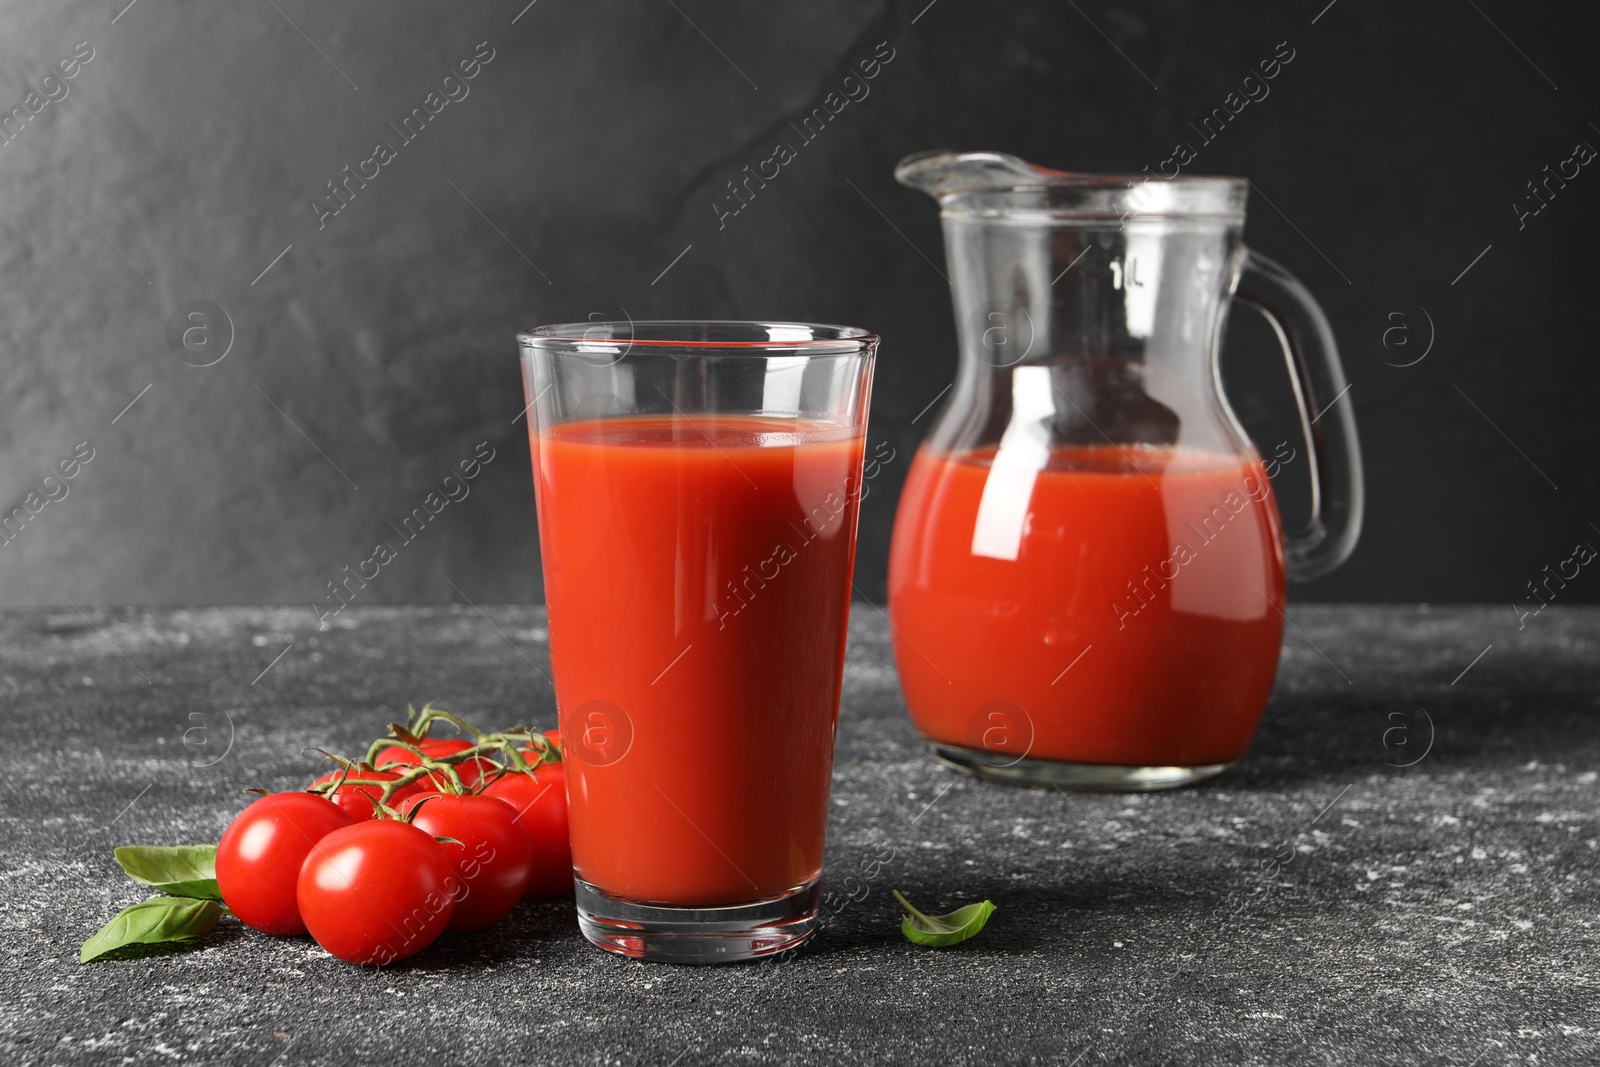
point(698, 486)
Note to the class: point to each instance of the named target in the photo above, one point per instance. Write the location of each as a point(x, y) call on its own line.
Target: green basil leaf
point(940, 931)
point(155, 920)
point(178, 870)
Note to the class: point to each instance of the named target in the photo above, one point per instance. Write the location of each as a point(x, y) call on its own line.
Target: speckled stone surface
point(1317, 904)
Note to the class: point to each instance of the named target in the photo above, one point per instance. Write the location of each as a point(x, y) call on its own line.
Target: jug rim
point(998, 183)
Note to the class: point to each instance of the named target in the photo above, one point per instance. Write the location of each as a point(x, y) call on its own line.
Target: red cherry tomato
point(472, 771)
point(260, 855)
point(353, 798)
point(540, 800)
point(494, 860)
point(377, 891)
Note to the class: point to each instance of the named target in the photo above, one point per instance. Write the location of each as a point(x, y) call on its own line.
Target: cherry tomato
point(261, 852)
point(353, 798)
point(540, 800)
point(494, 860)
point(472, 771)
point(377, 891)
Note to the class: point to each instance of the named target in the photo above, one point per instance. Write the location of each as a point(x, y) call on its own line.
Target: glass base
point(1088, 777)
point(668, 934)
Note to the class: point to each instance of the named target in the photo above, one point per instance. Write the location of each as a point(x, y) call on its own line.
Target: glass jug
point(1086, 581)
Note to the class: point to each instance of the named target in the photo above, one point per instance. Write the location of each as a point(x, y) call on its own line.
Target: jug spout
point(941, 173)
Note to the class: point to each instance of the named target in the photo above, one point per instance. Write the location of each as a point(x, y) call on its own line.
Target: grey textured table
point(1317, 904)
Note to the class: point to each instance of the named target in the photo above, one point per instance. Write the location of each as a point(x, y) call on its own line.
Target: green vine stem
point(516, 749)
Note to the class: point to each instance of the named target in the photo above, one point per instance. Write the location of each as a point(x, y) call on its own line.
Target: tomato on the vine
point(539, 798)
point(377, 891)
point(471, 771)
point(259, 857)
point(354, 798)
point(494, 859)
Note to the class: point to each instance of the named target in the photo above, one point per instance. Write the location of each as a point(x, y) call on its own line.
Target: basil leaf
point(940, 931)
point(155, 920)
point(178, 870)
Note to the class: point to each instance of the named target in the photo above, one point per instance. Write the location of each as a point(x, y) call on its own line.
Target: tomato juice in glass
point(697, 575)
point(698, 487)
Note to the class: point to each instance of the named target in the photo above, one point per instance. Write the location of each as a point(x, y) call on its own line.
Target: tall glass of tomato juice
point(698, 485)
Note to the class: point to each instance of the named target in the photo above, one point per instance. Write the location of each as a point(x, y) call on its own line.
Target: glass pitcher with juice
point(1086, 580)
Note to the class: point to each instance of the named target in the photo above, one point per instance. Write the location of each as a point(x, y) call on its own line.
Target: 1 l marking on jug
point(1134, 281)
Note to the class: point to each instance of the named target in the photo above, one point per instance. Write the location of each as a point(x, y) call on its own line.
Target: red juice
point(1127, 601)
point(697, 572)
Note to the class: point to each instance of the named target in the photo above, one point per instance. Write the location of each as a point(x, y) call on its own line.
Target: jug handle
point(1326, 417)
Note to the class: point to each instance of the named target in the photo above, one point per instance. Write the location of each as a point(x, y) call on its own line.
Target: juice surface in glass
point(1110, 606)
point(697, 571)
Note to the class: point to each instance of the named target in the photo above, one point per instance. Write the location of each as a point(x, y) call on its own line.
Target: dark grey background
point(378, 350)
